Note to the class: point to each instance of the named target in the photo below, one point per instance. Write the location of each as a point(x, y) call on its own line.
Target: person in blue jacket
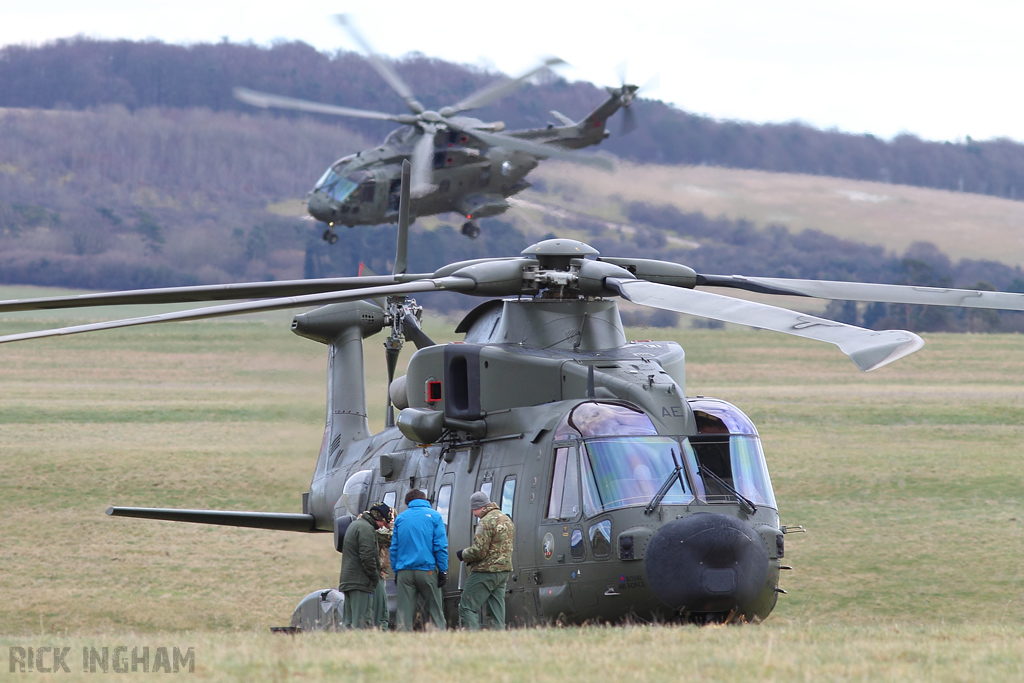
point(419, 557)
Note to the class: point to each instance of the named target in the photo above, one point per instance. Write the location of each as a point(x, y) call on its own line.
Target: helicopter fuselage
point(470, 178)
point(589, 444)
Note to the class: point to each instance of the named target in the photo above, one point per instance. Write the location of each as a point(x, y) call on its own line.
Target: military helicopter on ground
point(459, 164)
point(631, 500)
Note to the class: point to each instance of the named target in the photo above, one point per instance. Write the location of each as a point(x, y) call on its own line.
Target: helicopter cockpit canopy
point(623, 461)
point(339, 187)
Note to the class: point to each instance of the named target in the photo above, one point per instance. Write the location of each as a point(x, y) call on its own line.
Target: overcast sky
point(939, 70)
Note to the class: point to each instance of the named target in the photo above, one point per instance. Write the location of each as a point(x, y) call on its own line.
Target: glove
point(442, 579)
point(459, 555)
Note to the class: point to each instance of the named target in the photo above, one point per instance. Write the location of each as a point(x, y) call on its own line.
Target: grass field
point(909, 481)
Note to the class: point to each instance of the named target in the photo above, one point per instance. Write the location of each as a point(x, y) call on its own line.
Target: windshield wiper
point(745, 503)
point(677, 473)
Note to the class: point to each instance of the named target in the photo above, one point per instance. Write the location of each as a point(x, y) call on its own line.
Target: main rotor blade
point(865, 291)
point(436, 284)
point(404, 199)
point(496, 91)
point(193, 294)
point(423, 163)
point(868, 349)
point(381, 66)
point(278, 521)
point(265, 100)
point(540, 149)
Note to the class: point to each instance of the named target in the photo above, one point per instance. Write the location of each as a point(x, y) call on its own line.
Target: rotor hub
point(557, 254)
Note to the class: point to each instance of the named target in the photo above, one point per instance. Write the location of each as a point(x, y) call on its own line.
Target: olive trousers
point(483, 588)
point(357, 612)
point(413, 583)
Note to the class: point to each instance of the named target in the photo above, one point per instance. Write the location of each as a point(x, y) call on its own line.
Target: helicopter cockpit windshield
point(624, 462)
point(337, 186)
point(727, 444)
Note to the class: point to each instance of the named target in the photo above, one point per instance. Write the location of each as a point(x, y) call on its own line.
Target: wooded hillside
point(81, 73)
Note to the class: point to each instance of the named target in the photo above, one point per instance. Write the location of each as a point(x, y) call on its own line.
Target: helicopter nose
point(321, 207)
point(706, 563)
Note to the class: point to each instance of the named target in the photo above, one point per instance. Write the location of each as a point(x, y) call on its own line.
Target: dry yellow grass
point(962, 225)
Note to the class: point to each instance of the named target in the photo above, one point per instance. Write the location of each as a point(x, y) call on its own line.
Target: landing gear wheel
point(471, 230)
point(330, 236)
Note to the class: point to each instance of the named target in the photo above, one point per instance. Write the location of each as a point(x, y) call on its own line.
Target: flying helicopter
point(631, 500)
point(460, 164)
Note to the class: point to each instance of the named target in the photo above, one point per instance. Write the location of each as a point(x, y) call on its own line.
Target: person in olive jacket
point(360, 566)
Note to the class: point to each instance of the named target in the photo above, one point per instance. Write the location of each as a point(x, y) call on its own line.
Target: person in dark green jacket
point(360, 566)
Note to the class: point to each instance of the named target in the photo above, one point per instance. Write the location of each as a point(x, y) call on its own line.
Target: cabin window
point(508, 491)
point(444, 501)
point(389, 499)
point(564, 500)
point(576, 548)
point(356, 491)
point(486, 488)
point(601, 538)
point(366, 193)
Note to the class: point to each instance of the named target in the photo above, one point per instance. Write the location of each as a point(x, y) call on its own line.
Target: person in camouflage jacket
point(489, 561)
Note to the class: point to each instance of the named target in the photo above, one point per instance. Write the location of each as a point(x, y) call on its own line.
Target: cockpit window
point(727, 444)
point(338, 187)
point(627, 471)
point(738, 461)
point(603, 419)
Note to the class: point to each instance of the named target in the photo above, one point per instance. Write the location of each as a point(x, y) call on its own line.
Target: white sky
point(940, 70)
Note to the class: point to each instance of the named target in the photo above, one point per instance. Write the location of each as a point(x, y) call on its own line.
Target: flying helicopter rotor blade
point(868, 349)
point(865, 291)
point(500, 89)
point(422, 162)
point(380, 65)
point(404, 199)
point(541, 150)
point(628, 121)
point(266, 100)
point(198, 293)
point(429, 285)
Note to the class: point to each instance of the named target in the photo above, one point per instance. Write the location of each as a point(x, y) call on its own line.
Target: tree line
point(81, 73)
